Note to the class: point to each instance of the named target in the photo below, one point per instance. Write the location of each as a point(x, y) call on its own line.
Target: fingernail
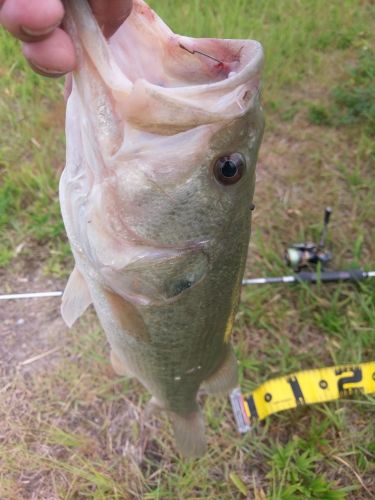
point(52, 73)
point(41, 32)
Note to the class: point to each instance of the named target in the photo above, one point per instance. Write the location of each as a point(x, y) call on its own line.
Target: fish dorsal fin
point(76, 298)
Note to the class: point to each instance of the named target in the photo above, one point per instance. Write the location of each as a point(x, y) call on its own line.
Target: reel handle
point(327, 217)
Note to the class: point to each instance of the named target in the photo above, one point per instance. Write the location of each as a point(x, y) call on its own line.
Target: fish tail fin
point(225, 378)
point(189, 433)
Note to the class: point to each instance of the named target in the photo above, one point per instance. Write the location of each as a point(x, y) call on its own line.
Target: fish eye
point(229, 169)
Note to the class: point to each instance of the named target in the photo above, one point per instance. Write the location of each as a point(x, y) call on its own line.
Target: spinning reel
point(309, 261)
point(306, 255)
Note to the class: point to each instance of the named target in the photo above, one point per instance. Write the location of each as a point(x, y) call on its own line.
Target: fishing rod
point(312, 277)
point(299, 256)
point(353, 275)
point(302, 256)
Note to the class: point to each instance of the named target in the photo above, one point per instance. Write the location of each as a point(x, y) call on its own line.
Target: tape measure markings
point(303, 388)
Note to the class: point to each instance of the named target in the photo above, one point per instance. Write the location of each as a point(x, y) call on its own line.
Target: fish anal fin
point(127, 316)
point(76, 298)
point(189, 433)
point(225, 378)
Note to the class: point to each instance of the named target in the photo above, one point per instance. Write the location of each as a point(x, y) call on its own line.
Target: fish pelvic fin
point(189, 433)
point(225, 378)
point(76, 298)
point(119, 366)
point(127, 316)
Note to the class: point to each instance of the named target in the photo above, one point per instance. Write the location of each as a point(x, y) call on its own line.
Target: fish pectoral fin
point(189, 433)
point(225, 378)
point(76, 298)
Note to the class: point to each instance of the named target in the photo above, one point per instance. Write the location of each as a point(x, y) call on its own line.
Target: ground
point(70, 427)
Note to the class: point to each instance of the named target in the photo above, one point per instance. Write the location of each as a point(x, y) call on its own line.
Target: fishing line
point(194, 51)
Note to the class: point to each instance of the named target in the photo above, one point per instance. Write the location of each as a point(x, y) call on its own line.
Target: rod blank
point(35, 295)
point(306, 277)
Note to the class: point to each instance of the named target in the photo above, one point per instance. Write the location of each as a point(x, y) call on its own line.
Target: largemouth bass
point(163, 133)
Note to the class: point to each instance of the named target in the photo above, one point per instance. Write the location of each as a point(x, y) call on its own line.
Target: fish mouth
point(145, 48)
point(179, 82)
point(161, 82)
point(180, 61)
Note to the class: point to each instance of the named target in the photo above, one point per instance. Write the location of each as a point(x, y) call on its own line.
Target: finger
point(53, 56)
point(110, 15)
point(31, 20)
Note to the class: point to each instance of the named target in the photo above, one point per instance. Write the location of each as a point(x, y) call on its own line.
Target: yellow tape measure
point(302, 388)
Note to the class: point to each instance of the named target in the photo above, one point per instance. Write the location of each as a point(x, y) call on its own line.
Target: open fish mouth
point(174, 60)
point(155, 75)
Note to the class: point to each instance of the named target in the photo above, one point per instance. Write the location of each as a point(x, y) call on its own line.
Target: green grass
point(353, 102)
point(70, 428)
point(31, 158)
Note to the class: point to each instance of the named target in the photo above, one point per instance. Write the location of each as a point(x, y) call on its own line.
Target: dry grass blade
point(38, 357)
point(358, 477)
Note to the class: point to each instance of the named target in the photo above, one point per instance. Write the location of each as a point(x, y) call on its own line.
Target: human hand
point(47, 47)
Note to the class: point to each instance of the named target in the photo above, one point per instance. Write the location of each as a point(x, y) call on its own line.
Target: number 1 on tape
point(302, 388)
